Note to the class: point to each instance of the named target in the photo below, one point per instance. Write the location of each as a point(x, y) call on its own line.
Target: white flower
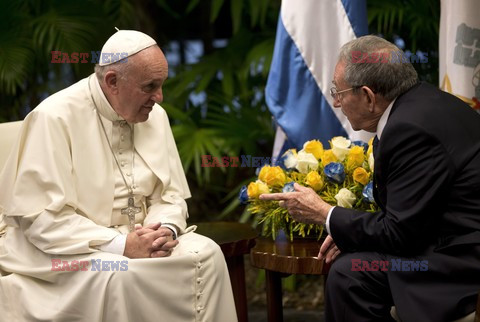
point(371, 161)
point(290, 160)
point(306, 162)
point(340, 147)
point(345, 198)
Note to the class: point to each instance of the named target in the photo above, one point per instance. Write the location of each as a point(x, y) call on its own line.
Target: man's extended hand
point(328, 250)
point(304, 205)
point(150, 241)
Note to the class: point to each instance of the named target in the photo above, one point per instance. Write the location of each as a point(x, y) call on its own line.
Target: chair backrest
point(8, 134)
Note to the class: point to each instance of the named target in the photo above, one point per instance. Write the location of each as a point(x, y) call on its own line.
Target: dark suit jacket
point(427, 174)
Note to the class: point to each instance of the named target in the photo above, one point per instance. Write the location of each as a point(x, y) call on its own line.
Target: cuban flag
point(309, 36)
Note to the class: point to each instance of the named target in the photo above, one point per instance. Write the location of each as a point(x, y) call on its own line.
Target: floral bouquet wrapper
point(341, 176)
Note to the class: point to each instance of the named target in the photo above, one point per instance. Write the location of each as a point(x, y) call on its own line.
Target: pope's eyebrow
point(151, 81)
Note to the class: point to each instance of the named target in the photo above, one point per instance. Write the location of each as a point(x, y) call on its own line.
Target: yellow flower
point(255, 189)
point(361, 175)
point(314, 180)
point(328, 156)
point(355, 157)
point(272, 176)
point(314, 147)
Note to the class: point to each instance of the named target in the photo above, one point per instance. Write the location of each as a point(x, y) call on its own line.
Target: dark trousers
point(357, 288)
point(357, 295)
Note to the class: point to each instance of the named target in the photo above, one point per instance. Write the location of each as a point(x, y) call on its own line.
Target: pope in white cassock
point(92, 206)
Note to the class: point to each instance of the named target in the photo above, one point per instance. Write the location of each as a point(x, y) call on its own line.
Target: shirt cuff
point(327, 222)
point(172, 228)
point(115, 246)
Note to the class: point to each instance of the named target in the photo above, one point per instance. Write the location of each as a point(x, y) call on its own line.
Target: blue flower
point(367, 192)
point(335, 172)
point(362, 144)
point(243, 195)
point(288, 187)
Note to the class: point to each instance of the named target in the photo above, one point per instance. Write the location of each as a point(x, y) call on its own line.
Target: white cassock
point(61, 194)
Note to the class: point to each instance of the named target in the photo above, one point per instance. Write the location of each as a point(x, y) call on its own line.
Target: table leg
point(274, 296)
point(236, 269)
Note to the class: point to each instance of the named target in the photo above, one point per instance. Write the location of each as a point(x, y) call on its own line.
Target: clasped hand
point(149, 241)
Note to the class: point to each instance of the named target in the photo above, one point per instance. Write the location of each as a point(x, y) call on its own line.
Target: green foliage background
point(233, 120)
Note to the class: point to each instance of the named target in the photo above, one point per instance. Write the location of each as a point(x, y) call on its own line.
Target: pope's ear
point(111, 80)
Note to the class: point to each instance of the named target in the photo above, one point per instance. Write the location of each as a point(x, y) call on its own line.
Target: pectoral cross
point(130, 211)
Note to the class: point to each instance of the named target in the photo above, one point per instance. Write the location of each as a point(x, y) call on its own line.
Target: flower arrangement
point(340, 175)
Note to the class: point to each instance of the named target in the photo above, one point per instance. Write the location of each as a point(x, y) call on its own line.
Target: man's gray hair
point(378, 64)
point(120, 68)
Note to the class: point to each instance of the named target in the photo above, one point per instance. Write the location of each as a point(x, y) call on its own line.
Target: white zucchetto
point(123, 44)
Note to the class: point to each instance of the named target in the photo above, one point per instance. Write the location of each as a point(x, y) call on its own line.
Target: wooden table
point(235, 239)
point(281, 258)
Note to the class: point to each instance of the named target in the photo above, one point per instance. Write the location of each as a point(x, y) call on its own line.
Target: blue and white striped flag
point(309, 36)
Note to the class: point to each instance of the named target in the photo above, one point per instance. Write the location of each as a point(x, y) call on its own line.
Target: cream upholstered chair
point(8, 134)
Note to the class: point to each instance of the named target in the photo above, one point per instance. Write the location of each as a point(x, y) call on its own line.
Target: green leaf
point(192, 5)
point(254, 12)
point(205, 80)
point(15, 64)
point(236, 7)
point(261, 54)
point(264, 10)
point(216, 6)
point(165, 6)
point(227, 83)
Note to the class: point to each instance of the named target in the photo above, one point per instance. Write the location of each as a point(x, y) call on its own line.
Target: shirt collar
point(383, 120)
point(100, 100)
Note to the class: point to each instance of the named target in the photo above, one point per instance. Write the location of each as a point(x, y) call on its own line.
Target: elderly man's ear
point(111, 80)
point(369, 97)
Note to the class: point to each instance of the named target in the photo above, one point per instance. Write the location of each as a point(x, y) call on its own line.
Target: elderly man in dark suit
point(427, 184)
